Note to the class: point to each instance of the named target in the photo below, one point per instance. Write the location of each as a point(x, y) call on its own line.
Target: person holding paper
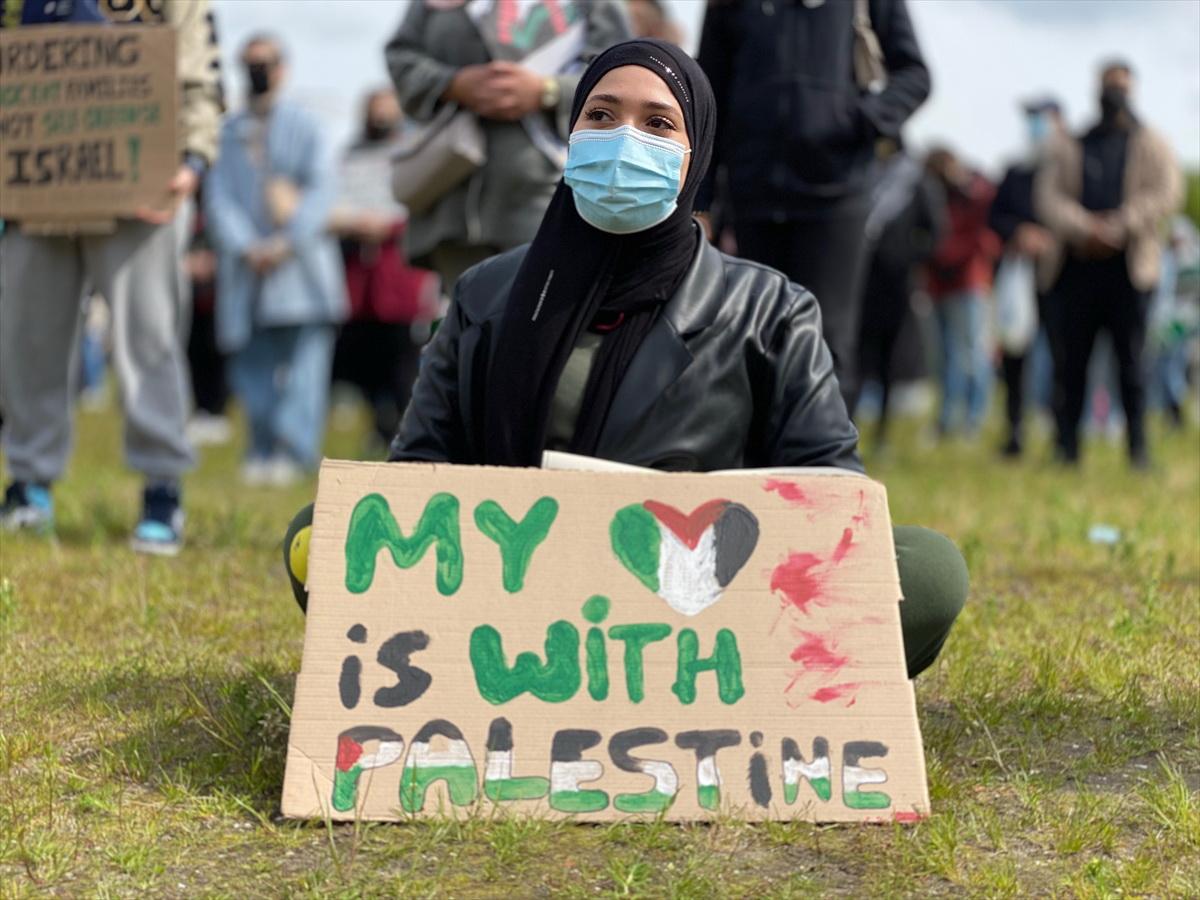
point(1013, 220)
point(138, 267)
point(620, 333)
point(1105, 195)
point(514, 64)
point(280, 286)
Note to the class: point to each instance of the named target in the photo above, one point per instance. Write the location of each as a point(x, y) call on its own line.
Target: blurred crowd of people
point(297, 266)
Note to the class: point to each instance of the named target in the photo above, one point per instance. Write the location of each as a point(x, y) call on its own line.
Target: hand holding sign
point(182, 186)
point(89, 124)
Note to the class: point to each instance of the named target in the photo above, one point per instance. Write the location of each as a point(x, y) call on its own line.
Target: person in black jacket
point(620, 333)
point(796, 138)
point(906, 221)
point(1013, 219)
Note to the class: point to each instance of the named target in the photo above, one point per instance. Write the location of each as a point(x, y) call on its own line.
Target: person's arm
point(199, 68)
point(807, 424)
point(431, 429)
point(317, 182)
point(420, 80)
point(230, 227)
point(717, 51)
point(198, 76)
point(931, 218)
point(1063, 214)
point(1003, 217)
point(1160, 194)
point(908, 81)
point(605, 24)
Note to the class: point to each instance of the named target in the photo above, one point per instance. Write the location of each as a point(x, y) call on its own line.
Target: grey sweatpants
point(138, 271)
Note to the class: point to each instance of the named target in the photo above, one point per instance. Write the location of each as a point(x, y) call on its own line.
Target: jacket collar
point(664, 355)
point(697, 300)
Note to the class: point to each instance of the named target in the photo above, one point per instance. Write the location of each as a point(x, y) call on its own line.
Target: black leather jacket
point(733, 375)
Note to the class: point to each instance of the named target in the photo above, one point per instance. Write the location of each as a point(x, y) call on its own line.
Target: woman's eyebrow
point(659, 105)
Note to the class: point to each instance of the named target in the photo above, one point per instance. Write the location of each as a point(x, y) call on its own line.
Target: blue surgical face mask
point(624, 180)
point(1039, 129)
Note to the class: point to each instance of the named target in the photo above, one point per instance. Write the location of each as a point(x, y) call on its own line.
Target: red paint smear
point(788, 490)
point(689, 528)
point(861, 518)
point(795, 580)
point(815, 655)
point(844, 545)
point(349, 750)
point(833, 692)
point(907, 817)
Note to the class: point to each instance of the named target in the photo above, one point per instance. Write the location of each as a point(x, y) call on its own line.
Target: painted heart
point(687, 559)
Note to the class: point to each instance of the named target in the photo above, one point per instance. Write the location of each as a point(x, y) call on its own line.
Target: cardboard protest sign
point(602, 645)
point(88, 122)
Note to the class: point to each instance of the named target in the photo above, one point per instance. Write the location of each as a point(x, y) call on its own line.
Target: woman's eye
point(658, 123)
point(595, 115)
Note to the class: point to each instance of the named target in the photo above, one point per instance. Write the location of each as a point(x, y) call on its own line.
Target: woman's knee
point(933, 575)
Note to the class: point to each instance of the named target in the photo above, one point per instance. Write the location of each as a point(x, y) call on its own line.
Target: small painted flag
point(706, 744)
point(666, 781)
point(708, 780)
point(816, 773)
point(687, 559)
point(361, 749)
point(568, 770)
point(853, 779)
point(498, 781)
point(854, 776)
point(658, 798)
point(455, 765)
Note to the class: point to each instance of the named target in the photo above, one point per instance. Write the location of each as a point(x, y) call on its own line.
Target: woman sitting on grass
point(620, 333)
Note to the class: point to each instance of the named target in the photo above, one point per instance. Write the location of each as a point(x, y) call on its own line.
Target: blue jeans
point(282, 378)
point(966, 370)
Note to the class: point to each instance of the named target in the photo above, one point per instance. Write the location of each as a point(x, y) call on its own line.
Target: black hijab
point(575, 277)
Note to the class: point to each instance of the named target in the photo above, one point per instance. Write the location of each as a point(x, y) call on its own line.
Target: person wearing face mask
point(620, 333)
point(378, 348)
point(1013, 220)
point(1104, 196)
point(513, 64)
point(280, 286)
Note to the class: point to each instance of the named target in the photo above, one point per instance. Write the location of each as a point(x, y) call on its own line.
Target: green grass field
point(144, 710)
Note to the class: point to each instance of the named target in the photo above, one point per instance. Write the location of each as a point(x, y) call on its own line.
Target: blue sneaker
point(161, 530)
point(28, 506)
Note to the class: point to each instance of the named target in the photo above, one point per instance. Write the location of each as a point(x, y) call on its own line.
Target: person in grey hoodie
point(485, 57)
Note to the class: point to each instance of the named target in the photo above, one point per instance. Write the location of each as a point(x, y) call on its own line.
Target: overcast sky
point(986, 55)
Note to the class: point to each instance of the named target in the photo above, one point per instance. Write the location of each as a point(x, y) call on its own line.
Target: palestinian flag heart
point(687, 559)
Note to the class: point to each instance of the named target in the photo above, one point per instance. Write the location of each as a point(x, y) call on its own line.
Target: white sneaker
point(283, 471)
point(207, 430)
point(256, 472)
